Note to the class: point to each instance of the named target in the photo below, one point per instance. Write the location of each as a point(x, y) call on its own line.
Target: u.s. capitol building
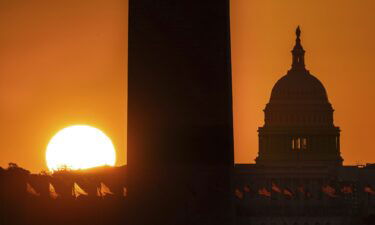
point(299, 177)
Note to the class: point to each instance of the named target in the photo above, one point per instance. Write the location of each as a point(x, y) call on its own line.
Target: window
point(304, 143)
point(293, 143)
point(299, 143)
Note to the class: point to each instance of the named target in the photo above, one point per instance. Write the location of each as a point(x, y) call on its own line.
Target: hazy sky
point(64, 62)
point(338, 37)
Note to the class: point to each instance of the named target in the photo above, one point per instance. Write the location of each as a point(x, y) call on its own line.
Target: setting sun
point(80, 147)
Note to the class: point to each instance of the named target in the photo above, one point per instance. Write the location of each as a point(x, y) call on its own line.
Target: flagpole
point(73, 191)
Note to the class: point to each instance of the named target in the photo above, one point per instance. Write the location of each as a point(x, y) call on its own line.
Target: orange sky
point(61, 63)
point(64, 63)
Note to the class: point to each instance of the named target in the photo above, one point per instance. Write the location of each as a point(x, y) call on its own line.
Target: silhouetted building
point(298, 178)
point(298, 127)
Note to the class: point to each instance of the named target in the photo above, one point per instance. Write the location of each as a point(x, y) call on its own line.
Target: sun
point(80, 147)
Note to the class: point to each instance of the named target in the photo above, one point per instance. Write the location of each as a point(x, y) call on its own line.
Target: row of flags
point(326, 189)
point(101, 191)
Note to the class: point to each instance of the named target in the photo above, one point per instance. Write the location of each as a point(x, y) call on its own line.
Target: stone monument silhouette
point(180, 131)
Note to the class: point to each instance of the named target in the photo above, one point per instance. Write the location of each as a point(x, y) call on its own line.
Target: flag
point(103, 190)
point(304, 191)
point(52, 192)
point(246, 188)
point(347, 190)
point(124, 192)
point(330, 191)
point(264, 192)
point(308, 194)
point(275, 188)
point(288, 193)
point(31, 190)
point(301, 189)
point(77, 191)
point(369, 190)
point(238, 193)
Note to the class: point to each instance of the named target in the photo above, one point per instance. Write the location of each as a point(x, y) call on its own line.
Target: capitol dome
point(298, 99)
point(298, 86)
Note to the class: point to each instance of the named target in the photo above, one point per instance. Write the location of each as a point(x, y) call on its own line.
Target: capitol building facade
point(299, 177)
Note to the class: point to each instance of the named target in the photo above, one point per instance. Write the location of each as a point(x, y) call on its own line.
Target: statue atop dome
point(298, 53)
point(298, 32)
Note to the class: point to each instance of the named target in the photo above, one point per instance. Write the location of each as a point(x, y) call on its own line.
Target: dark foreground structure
point(180, 131)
